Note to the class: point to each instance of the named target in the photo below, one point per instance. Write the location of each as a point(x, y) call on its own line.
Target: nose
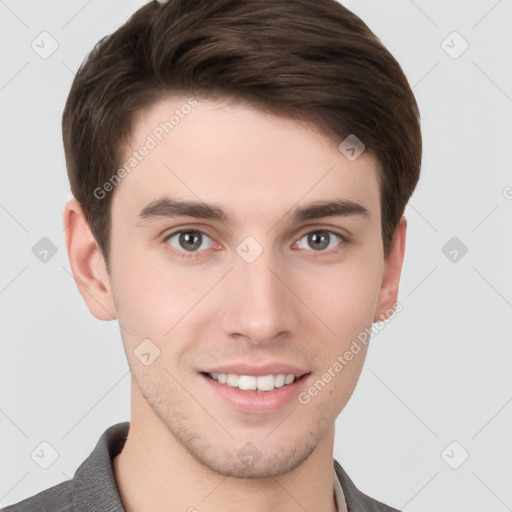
point(258, 305)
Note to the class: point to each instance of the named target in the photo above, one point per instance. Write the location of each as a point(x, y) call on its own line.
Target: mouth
point(258, 383)
point(257, 390)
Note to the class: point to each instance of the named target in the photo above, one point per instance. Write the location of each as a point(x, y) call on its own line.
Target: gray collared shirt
point(93, 487)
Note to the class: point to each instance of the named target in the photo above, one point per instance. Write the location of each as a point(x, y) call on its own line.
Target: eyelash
point(194, 254)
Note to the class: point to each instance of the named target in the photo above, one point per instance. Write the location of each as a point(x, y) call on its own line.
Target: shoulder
point(92, 486)
point(355, 499)
point(55, 499)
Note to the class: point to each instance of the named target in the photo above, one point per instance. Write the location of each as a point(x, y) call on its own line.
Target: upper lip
point(260, 370)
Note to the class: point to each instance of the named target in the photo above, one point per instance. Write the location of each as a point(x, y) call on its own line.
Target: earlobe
point(388, 294)
point(87, 263)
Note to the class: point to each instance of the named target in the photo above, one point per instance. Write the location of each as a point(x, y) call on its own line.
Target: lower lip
point(254, 402)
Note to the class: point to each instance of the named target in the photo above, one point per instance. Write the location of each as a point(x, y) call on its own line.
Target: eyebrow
point(335, 208)
point(170, 208)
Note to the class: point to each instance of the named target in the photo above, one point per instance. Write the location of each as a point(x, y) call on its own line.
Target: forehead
point(234, 154)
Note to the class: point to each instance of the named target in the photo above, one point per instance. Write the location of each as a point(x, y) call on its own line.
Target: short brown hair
point(310, 60)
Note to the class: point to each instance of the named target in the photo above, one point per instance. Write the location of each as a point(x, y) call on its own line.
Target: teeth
point(279, 380)
point(251, 382)
point(232, 380)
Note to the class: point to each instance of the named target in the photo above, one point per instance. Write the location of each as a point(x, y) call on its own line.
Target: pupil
point(192, 239)
point(319, 241)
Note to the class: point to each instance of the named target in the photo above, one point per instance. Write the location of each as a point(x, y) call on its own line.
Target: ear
point(388, 294)
point(87, 263)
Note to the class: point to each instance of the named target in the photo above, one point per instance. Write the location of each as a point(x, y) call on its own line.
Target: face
point(244, 244)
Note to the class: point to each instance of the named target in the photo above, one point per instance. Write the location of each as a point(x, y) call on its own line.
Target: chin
point(250, 463)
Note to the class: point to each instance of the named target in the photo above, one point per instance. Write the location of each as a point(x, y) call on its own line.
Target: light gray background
point(439, 372)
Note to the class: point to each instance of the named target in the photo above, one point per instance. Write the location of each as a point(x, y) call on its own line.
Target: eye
point(320, 240)
point(191, 240)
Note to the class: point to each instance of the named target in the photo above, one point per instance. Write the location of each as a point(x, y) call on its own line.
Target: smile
point(252, 382)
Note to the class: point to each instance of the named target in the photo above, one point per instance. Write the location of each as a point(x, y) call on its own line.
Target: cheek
point(144, 298)
point(153, 295)
point(345, 297)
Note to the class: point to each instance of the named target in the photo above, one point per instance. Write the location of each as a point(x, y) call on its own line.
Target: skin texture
point(295, 304)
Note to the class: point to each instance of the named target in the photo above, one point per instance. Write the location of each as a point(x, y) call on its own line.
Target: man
point(240, 170)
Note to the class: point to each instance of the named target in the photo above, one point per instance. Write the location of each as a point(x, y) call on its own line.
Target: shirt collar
point(94, 483)
point(339, 496)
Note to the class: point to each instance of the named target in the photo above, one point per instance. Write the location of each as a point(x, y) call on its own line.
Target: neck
point(154, 472)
